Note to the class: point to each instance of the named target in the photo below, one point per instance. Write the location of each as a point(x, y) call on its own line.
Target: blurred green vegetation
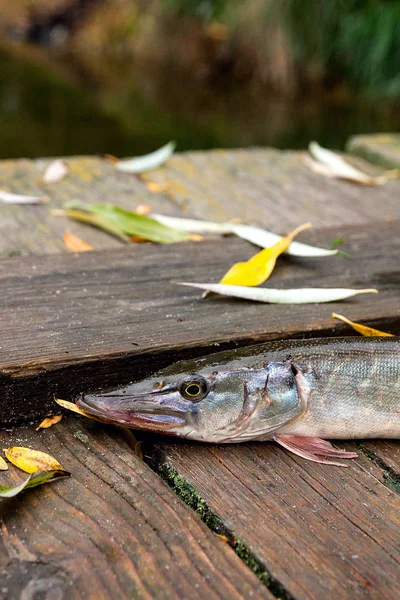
point(356, 40)
point(134, 74)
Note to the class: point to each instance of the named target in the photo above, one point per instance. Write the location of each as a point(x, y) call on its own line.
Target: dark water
point(46, 111)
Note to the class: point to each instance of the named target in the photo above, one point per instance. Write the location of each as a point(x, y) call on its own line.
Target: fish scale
point(294, 392)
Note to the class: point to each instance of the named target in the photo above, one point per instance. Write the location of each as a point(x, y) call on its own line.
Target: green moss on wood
point(188, 494)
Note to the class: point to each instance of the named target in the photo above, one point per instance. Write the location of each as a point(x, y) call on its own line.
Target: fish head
point(213, 403)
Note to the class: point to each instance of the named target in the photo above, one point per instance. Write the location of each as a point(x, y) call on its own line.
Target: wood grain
point(261, 186)
point(113, 530)
point(273, 188)
point(382, 149)
point(71, 323)
point(321, 531)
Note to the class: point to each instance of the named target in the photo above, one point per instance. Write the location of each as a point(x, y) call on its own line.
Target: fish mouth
point(141, 412)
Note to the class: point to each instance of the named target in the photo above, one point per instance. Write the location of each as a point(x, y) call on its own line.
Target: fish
point(298, 393)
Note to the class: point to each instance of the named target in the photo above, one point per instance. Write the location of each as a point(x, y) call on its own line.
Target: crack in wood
point(194, 500)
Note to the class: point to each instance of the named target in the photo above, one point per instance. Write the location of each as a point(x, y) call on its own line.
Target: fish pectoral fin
point(314, 449)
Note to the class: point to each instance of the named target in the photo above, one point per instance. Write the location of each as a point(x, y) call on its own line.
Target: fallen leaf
point(31, 461)
point(139, 164)
point(265, 239)
point(95, 220)
point(75, 244)
point(38, 478)
point(55, 171)
point(274, 296)
point(330, 164)
point(143, 209)
point(110, 157)
point(3, 464)
point(9, 198)
point(258, 268)
point(223, 538)
point(193, 225)
point(156, 188)
point(49, 422)
point(255, 235)
point(132, 441)
point(129, 222)
point(73, 407)
point(363, 329)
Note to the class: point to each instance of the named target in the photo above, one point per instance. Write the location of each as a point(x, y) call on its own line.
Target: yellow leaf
point(75, 244)
point(49, 421)
point(363, 329)
point(156, 188)
point(257, 270)
point(132, 442)
point(3, 464)
point(73, 407)
point(143, 209)
point(31, 461)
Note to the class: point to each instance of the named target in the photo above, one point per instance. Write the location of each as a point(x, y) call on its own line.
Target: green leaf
point(96, 221)
point(33, 480)
point(155, 159)
point(129, 223)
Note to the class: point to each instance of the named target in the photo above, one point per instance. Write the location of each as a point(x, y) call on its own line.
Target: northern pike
point(294, 392)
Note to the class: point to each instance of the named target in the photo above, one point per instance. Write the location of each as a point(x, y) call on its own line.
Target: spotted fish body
point(294, 392)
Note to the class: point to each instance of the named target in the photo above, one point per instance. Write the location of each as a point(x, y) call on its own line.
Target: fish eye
point(194, 389)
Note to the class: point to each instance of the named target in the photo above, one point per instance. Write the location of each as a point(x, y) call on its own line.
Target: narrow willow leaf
point(139, 164)
point(255, 235)
point(95, 220)
point(31, 461)
point(38, 478)
point(363, 329)
point(193, 225)
point(132, 442)
point(274, 296)
point(133, 224)
point(333, 165)
point(73, 407)
point(265, 239)
point(49, 422)
point(3, 464)
point(75, 243)
point(258, 268)
point(55, 171)
point(9, 198)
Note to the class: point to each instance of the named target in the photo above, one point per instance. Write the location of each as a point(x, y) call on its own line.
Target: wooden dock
point(192, 520)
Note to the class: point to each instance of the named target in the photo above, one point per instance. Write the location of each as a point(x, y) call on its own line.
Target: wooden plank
point(113, 530)
point(382, 149)
point(321, 531)
point(27, 230)
point(70, 323)
point(263, 186)
point(274, 188)
point(306, 523)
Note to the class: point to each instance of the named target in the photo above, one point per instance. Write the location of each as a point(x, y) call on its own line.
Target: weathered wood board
point(262, 186)
point(69, 323)
point(310, 530)
point(320, 531)
point(382, 149)
point(112, 530)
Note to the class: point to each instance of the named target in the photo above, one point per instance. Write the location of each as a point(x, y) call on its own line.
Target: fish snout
point(143, 411)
